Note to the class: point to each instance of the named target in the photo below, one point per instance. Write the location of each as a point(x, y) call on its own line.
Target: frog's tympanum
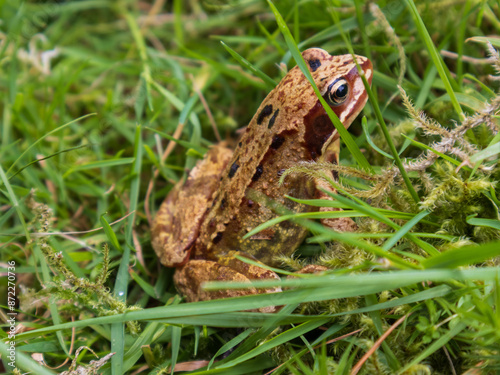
point(200, 225)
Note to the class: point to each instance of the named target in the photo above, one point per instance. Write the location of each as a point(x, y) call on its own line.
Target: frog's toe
point(341, 224)
point(189, 280)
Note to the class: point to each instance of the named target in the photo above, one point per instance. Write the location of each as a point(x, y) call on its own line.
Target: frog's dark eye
point(338, 91)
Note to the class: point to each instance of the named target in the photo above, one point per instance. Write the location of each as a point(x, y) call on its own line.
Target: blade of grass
point(267, 328)
point(425, 90)
point(141, 46)
point(259, 73)
point(175, 345)
point(188, 145)
point(436, 58)
point(331, 287)
point(177, 103)
point(375, 315)
point(341, 236)
point(110, 234)
point(489, 151)
point(344, 285)
point(149, 334)
point(360, 206)
point(347, 359)
point(370, 141)
point(99, 164)
point(224, 69)
point(436, 345)
point(47, 157)
point(275, 341)
point(464, 256)
point(344, 134)
point(439, 291)
point(22, 361)
point(121, 283)
point(491, 223)
point(351, 239)
point(404, 229)
point(229, 345)
point(45, 136)
point(389, 141)
point(494, 140)
point(444, 156)
point(495, 41)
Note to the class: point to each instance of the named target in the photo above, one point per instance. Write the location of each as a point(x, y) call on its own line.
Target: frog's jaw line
point(357, 103)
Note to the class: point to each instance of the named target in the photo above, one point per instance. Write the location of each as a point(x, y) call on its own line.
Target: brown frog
point(200, 225)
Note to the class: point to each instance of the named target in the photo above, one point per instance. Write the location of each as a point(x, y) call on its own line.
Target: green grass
point(94, 92)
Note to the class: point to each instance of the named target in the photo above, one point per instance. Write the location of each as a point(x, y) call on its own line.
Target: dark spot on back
point(223, 203)
point(233, 169)
point(217, 238)
point(258, 172)
point(277, 142)
point(314, 64)
point(273, 119)
point(239, 144)
point(268, 109)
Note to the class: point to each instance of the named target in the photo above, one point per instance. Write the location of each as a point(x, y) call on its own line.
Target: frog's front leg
point(189, 279)
point(342, 224)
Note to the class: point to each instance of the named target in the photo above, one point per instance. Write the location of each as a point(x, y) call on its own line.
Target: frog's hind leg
point(177, 222)
point(189, 279)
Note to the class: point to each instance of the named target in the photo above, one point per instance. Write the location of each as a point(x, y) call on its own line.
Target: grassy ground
point(92, 89)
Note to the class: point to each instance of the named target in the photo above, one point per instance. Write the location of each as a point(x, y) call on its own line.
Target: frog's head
point(340, 84)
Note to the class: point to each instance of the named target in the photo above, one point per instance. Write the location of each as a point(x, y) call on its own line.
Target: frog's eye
point(338, 91)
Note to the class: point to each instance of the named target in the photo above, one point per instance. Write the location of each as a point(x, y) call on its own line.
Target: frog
point(201, 225)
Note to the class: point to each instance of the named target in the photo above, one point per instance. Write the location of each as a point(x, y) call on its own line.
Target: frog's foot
point(190, 278)
point(341, 224)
